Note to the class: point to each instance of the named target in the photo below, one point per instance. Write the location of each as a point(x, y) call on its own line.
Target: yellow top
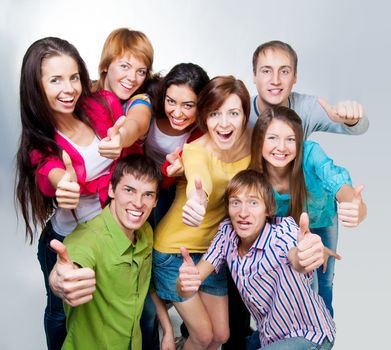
point(171, 233)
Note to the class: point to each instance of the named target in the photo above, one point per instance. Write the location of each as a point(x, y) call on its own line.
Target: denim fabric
point(323, 282)
point(149, 325)
point(165, 270)
point(297, 343)
point(54, 317)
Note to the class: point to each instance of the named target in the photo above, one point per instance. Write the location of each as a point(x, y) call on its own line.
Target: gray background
point(344, 52)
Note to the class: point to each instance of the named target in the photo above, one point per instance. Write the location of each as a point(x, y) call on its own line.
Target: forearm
point(55, 175)
point(136, 125)
point(162, 314)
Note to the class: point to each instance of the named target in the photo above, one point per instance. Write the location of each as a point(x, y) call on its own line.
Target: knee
point(203, 338)
point(221, 336)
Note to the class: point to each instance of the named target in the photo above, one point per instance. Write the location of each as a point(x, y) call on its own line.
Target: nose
point(131, 75)
point(243, 211)
point(177, 111)
point(68, 86)
point(281, 145)
point(224, 119)
point(276, 78)
point(138, 201)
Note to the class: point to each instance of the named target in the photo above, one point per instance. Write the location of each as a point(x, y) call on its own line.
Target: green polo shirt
point(123, 271)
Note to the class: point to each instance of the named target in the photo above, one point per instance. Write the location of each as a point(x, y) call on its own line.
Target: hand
point(326, 255)
point(168, 341)
point(176, 166)
point(69, 282)
point(194, 210)
point(309, 246)
point(189, 277)
point(68, 190)
point(352, 213)
point(348, 112)
point(110, 147)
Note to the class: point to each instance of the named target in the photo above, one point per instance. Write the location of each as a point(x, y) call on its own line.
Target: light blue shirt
point(323, 180)
point(313, 116)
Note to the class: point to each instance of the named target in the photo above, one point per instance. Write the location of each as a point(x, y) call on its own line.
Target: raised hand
point(327, 253)
point(352, 213)
point(193, 212)
point(68, 190)
point(176, 166)
point(189, 276)
point(110, 146)
point(348, 112)
point(69, 282)
point(309, 247)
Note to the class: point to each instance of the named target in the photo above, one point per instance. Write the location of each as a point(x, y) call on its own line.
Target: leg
point(239, 319)
point(329, 237)
point(54, 317)
point(217, 308)
point(149, 325)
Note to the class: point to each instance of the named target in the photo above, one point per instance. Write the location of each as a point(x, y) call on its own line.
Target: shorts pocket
point(162, 259)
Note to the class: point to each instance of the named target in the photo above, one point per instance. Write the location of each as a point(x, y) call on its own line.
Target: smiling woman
point(62, 124)
point(209, 163)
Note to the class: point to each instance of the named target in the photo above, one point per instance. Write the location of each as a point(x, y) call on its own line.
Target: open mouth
point(243, 225)
point(126, 86)
point(224, 135)
point(279, 156)
point(134, 213)
point(179, 121)
point(275, 91)
point(67, 101)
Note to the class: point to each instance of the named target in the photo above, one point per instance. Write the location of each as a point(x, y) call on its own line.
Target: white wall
point(344, 52)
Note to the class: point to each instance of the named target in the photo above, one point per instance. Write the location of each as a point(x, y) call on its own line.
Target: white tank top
point(158, 144)
point(89, 205)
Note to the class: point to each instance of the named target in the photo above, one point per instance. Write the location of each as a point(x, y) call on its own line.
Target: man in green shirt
point(114, 249)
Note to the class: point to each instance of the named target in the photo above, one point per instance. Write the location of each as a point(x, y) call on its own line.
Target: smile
point(126, 85)
point(134, 213)
point(224, 135)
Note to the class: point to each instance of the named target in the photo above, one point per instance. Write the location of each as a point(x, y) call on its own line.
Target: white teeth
point(70, 99)
point(126, 86)
point(134, 213)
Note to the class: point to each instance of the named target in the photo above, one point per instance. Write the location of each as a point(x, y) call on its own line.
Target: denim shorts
point(165, 271)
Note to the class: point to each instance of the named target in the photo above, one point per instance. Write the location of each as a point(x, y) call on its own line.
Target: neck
point(67, 122)
point(279, 178)
point(263, 105)
point(245, 245)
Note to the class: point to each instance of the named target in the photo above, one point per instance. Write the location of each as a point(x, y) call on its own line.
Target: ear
point(111, 192)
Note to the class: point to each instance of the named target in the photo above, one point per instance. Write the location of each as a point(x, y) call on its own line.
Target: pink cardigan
point(100, 120)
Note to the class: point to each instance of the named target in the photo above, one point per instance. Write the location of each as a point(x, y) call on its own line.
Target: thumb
point(172, 157)
point(330, 110)
point(304, 223)
point(61, 250)
point(357, 193)
point(186, 256)
point(69, 170)
point(114, 130)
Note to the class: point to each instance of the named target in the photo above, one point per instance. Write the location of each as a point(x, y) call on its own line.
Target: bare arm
point(168, 342)
point(136, 124)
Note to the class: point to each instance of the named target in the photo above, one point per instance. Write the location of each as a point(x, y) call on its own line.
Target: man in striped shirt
point(271, 262)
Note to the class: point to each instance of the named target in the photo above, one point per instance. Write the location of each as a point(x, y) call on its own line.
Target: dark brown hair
point(297, 188)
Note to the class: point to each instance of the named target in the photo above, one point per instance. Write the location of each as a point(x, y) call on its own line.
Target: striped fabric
point(279, 298)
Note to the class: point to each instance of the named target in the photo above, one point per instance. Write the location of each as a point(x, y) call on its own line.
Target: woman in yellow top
point(192, 221)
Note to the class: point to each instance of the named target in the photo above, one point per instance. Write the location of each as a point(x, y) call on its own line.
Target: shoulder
point(146, 230)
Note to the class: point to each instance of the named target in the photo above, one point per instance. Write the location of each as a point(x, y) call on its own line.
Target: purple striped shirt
point(278, 297)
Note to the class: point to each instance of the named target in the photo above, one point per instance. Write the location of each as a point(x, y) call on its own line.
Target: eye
point(254, 203)
point(129, 190)
point(234, 113)
point(170, 101)
point(188, 106)
point(285, 71)
point(271, 138)
point(214, 114)
point(265, 71)
point(54, 80)
point(291, 139)
point(234, 203)
point(142, 72)
point(75, 77)
point(124, 66)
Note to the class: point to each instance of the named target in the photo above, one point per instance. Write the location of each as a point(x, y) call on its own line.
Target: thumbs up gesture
point(176, 166)
point(352, 213)
point(69, 282)
point(309, 248)
point(189, 276)
point(68, 190)
point(110, 147)
point(194, 210)
point(348, 112)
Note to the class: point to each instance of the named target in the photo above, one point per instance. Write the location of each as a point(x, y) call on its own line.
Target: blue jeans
point(149, 325)
point(54, 317)
point(297, 343)
point(323, 282)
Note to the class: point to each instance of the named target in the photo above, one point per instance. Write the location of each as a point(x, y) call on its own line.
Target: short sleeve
point(81, 247)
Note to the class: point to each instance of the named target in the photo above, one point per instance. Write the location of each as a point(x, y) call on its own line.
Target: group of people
point(180, 189)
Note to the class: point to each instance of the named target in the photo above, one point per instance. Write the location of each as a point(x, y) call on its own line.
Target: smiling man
point(114, 250)
point(274, 75)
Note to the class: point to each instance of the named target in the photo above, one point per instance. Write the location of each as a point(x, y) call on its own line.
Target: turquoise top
point(323, 180)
